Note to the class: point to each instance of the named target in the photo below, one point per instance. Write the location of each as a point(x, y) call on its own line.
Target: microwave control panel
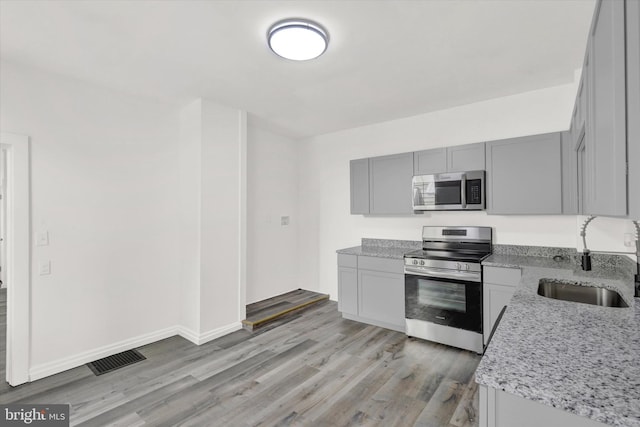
point(474, 191)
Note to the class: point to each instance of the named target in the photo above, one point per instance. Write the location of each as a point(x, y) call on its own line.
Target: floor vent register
point(116, 361)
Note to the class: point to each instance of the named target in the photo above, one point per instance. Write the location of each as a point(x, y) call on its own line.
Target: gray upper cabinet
point(569, 175)
point(359, 170)
point(469, 157)
point(428, 162)
point(458, 158)
point(633, 105)
point(524, 175)
point(580, 109)
point(606, 141)
point(390, 184)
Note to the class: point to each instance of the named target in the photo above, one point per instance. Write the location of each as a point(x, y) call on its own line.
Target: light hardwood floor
point(317, 370)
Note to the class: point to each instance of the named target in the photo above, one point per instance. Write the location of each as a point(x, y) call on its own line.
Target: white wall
point(272, 193)
point(212, 218)
point(104, 184)
point(608, 235)
point(324, 192)
point(222, 214)
point(188, 255)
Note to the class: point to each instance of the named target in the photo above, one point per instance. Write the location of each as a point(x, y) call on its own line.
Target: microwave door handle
point(417, 197)
point(463, 190)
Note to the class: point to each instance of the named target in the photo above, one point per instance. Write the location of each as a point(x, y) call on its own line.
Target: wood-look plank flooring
point(281, 308)
point(316, 370)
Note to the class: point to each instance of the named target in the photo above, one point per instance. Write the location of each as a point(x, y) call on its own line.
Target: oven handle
point(443, 274)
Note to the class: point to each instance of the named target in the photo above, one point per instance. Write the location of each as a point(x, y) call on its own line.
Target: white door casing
point(18, 245)
point(3, 217)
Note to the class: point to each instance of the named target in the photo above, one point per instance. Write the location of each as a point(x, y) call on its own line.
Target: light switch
point(284, 220)
point(44, 268)
point(42, 239)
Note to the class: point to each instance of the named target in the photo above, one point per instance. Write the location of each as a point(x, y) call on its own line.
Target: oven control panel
point(443, 264)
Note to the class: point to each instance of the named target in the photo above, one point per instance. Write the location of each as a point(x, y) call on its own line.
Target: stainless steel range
point(443, 286)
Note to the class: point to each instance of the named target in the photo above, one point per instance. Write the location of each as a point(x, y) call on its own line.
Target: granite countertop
point(580, 358)
point(498, 260)
point(382, 248)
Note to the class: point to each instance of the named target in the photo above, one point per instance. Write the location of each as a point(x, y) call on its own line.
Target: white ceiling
point(386, 59)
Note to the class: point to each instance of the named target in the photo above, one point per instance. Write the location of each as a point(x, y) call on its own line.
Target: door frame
point(18, 202)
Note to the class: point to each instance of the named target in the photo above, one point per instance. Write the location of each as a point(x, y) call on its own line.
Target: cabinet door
point(633, 105)
point(580, 109)
point(348, 290)
point(606, 119)
point(569, 175)
point(468, 157)
point(381, 297)
point(430, 161)
point(524, 175)
point(493, 299)
point(390, 184)
point(359, 171)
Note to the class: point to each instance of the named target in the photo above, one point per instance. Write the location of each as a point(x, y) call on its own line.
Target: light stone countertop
point(581, 358)
point(376, 251)
point(382, 248)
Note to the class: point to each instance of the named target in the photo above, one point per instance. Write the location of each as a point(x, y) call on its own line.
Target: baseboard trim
point(46, 369)
point(51, 368)
point(211, 335)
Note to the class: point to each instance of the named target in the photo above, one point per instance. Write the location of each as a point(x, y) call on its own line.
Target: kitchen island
point(583, 360)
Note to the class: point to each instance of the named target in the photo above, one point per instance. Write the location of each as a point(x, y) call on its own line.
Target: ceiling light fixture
point(298, 39)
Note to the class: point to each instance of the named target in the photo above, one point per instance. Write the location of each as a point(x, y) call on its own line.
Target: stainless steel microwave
point(449, 191)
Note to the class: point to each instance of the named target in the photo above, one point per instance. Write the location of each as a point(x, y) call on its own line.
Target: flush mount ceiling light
point(298, 39)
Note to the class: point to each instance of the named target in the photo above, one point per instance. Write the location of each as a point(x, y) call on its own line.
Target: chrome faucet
point(586, 253)
point(636, 284)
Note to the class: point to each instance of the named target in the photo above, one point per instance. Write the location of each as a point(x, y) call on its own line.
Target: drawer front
point(502, 276)
point(345, 260)
point(387, 265)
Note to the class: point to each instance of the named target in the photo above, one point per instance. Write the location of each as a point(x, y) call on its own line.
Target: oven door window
point(448, 296)
point(448, 192)
point(444, 301)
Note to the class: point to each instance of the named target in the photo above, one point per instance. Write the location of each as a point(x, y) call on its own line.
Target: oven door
point(448, 302)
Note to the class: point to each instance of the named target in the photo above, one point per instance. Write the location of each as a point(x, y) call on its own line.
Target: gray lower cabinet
point(348, 284)
point(633, 105)
point(459, 158)
point(606, 141)
point(371, 290)
point(381, 297)
point(359, 180)
point(499, 285)
point(501, 409)
point(348, 290)
point(390, 184)
point(524, 175)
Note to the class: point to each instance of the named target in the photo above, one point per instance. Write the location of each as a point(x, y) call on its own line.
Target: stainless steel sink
point(569, 291)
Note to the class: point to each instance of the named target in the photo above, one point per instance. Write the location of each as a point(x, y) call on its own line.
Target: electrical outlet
point(42, 239)
point(44, 268)
point(628, 240)
point(284, 220)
